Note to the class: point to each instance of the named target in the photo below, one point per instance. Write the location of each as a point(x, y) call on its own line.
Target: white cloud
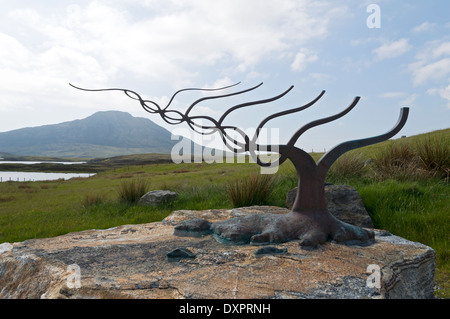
point(444, 93)
point(392, 49)
point(392, 95)
point(441, 49)
point(182, 36)
point(76, 65)
point(12, 52)
point(409, 101)
point(424, 27)
point(432, 68)
point(302, 59)
point(433, 71)
point(320, 77)
point(162, 44)
point(432, 64)
point(100, 42)
point(222, 82)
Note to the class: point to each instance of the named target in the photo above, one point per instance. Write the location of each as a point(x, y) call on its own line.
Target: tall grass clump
point(92, 200)
point(398, 161)
point(256, 189)
point(131, 191)
point(347, 166)
point(420, 159)
point(434, 155)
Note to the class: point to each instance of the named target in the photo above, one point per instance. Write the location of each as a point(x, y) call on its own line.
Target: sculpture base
point(310, 228)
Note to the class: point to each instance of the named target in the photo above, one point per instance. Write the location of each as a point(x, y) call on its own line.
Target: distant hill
point(103, 134)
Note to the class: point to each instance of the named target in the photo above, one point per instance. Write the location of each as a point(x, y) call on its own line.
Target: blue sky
point(157, 47)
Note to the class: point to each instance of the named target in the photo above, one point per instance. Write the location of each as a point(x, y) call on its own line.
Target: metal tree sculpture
point(309, 220)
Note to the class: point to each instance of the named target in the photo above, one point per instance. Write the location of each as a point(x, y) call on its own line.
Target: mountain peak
point(111, 113)
point(103, 134)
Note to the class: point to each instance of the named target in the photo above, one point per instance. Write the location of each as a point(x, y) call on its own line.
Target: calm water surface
point(38, 176)
point(31, 163)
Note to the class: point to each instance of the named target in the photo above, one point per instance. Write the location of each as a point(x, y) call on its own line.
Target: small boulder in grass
point(157, 197)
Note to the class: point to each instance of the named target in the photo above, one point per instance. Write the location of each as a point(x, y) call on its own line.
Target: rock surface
point(157, 197)
point(132, 261)
point(343, 202)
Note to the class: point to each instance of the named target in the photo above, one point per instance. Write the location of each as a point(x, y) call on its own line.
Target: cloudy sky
point(392, 54)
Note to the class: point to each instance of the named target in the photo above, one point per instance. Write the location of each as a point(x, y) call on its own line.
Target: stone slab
point(131, 261)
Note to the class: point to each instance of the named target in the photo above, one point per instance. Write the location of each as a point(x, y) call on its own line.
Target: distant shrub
point(24, 186)
point(6, 198)
point(92, 200)
point(419, 160)
point(347, 166)
point(132, 190)
point(27, 188)
point(434, 155)
point(252, 190)
point(399, 161)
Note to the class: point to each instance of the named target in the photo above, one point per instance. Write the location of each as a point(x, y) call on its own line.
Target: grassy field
point(402, 192)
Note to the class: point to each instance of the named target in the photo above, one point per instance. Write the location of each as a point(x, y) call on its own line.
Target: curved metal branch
point(198, 89)
point(219, 96)
point(332, 155)
point(312, 124)
point(160, 110)
point(130, 94)
point(190, 122)
point(294, 110)
point(246, 145)
point(231, 143)
point(253, 103)
point(283, 158)
point(126, 91)
point(268, 148)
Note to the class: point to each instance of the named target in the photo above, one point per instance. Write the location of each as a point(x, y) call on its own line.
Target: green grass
point(255, 189)
point(410, 201)
point(404, 185)
point(416, 210)
point(46, 209)
point(131, 191)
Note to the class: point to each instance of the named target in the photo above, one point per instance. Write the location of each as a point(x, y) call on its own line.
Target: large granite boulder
point(148, 261)
point(343, 202)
